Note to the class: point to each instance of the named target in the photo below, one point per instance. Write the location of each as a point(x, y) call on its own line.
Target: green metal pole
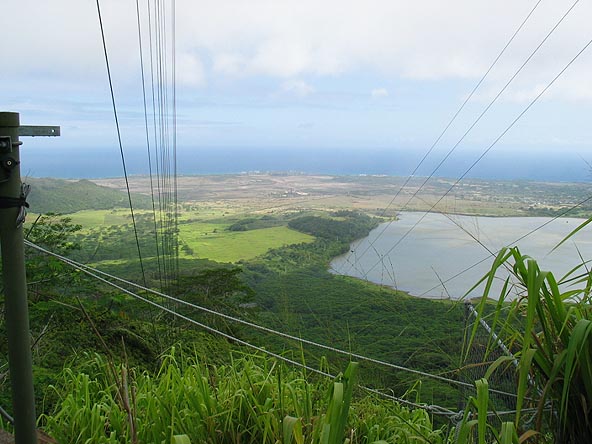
point(15, 296)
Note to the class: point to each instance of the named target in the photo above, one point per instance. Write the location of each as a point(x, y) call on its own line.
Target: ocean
point(506, 164)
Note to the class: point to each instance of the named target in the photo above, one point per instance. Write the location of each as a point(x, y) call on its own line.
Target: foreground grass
point(549, 326)
point(251, 400)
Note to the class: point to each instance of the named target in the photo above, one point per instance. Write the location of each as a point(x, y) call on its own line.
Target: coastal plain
point(376, 194)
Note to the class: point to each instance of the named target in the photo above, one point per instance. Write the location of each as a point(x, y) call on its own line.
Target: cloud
point(229, 64)
point(58, 43)
point(297, 87)
point(379, 92)
point(428, 40)
point(190, 70)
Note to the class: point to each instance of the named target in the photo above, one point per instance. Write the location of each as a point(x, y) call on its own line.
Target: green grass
point(231, 246)
point(99, 218)
point(201, 235)
point(550, 329)
point(251, 400)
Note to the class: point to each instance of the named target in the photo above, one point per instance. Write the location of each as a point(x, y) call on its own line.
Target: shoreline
point(443, 262)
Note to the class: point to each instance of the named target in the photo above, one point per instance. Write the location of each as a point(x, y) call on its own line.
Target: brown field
point(374, 194)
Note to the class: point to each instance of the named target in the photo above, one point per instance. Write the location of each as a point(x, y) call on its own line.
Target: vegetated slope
point(294, 292)
point(65, 196)
point(298, 295)
point(224, 394)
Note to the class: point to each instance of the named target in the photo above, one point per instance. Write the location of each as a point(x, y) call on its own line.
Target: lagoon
point(438, 256)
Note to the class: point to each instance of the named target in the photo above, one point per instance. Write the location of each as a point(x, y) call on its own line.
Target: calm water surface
point(427, 260)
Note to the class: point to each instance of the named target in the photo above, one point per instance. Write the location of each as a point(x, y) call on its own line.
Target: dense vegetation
point(345, 226)
point(249, 400)
point(68, 311)
point(240, 397)
point(253, 223)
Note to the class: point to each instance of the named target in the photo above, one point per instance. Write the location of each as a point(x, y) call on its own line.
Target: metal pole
point(15, 293)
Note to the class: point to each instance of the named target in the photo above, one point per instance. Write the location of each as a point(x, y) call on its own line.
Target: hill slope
point(66, 196)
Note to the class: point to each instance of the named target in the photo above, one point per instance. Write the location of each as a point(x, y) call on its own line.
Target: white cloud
point(297, 87)
point(379, 92)
point(425, 40)
point(190, 70)
point(428, 39)
point(229, 64)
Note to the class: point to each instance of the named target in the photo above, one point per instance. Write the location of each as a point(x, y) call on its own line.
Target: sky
point(322, 75)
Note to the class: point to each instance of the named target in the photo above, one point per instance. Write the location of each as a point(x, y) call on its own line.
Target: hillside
point(261, 260)
point(83, 330)
point(69, 196)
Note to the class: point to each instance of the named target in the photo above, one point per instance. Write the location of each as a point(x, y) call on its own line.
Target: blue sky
point(377, 74)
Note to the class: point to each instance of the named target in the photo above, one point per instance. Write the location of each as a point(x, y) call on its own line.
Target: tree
point(217, 287)
point(53, 232)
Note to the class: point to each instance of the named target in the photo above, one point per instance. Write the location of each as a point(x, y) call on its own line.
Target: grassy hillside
point(286, 266)
point(279, 260)
point(65, 196)
point(222, 393)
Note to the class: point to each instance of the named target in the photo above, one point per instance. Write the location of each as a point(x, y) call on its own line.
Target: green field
point(201, 235)
point(211, 242)
point(99, 218)
point(95, 218)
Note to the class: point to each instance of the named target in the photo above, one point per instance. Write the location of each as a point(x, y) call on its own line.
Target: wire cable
point(167, 154)
point(484, 153)
point(157, 130)
point(478, 119)
point(453, 119)
point(6, 415)
point(163, 87)
point(94, 272)
point(148, 141)
point(492, 333)
point(129, 195)
point(175, 184)
point(435, 409)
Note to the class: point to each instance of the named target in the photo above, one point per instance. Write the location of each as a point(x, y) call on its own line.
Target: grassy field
point(94, 218)
point(214, 242)
point(99, 218)
point(203, 233)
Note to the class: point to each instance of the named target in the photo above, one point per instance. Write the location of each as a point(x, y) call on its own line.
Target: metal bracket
point(7, 164)
point(5, 145)
point(35, 131)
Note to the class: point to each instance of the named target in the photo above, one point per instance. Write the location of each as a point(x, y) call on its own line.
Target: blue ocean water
point(506, 164)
